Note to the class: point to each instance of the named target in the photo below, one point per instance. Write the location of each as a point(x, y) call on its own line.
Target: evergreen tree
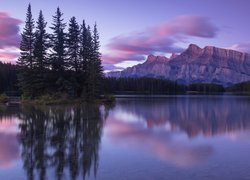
point(96, 43)
point(39, 85)
point(83, 47)
point(90, 45)
point(94, 65)
point(41, 43)
point(58, 42)
point(27, 43)
point(87, 51)
point(97, 54)
point(26, 60)
point(73, 45)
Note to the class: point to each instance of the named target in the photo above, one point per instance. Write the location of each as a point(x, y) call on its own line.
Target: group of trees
point(241, 87)
point(8, 78)
point(141, 86)
point(206, 88)
point(155, 86)
point(65, 61)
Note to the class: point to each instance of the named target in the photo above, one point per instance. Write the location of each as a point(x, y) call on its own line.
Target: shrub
point(4, 98)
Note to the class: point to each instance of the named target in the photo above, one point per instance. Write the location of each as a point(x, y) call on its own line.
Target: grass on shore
point(3, 98)
point(58, 99)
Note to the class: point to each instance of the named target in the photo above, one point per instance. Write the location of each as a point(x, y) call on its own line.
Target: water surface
point(175, 137)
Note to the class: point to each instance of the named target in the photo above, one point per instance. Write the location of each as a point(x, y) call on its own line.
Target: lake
point(171, 137)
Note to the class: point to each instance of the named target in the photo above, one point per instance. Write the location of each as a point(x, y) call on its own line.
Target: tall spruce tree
point(96, 53)
point(41, 44)
point(87, 51)
point(58, 42)
point(96, 43)
point(94, 65)
point(90, 45)
point(26, 59)
point(83, 47)
point(73, 45)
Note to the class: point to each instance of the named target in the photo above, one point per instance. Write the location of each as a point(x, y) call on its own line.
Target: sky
point(133, 29)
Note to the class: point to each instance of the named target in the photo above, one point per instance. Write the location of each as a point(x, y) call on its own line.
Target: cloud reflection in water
point(9, 146)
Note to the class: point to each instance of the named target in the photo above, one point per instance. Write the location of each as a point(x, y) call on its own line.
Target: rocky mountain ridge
point(195, 65)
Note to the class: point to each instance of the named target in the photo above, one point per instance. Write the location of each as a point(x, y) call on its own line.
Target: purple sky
point(132, 29)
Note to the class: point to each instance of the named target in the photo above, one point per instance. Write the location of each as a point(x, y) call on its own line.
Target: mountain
point(195, 65)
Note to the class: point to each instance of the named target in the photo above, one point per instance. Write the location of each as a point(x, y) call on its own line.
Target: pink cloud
point(243, 47)
point(159, 39)
point(117, 57)
point(9, 36)
point(8, 56)
point(187, 25)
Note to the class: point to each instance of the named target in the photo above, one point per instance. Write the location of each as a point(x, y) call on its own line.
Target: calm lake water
point(175, 137)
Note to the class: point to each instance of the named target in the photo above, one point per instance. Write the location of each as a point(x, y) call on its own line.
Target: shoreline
point(109, 99)
point(57, 101)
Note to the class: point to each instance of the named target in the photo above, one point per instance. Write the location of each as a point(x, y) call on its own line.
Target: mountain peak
point(193, 46)
point(193, 50)
point(152, 58)
point(174, 55)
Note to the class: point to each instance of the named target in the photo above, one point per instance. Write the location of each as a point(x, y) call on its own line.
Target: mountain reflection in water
point(194, 115)
point(162, 127)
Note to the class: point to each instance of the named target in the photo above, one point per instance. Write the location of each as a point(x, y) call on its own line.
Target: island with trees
point(65, 63)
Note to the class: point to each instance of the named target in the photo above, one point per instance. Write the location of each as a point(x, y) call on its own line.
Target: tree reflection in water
point(65, 139)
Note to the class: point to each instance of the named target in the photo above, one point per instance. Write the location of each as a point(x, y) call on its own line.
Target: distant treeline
point(140, 85)
point(8, 82)
point(161, 86)
point(241, 87)
point(65, 62)
point(8, 77)
point(146, 85)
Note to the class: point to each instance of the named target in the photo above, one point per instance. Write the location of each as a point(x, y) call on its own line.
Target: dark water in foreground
point(181, 137)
